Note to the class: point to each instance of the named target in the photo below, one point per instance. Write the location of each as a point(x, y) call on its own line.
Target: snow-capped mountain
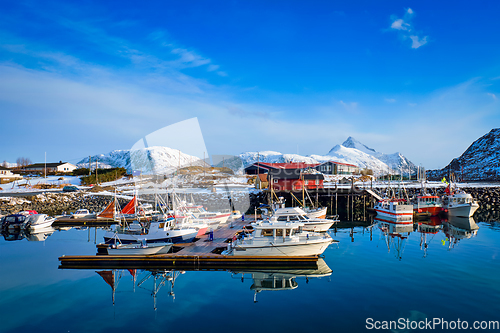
point(158, 160)
point(395, 161)
point(350, 152)
point(481, 161)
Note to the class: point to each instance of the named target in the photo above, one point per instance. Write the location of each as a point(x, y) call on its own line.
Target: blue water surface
point(375, 274)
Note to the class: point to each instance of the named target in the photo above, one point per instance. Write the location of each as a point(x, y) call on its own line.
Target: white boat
point(38, 221)
point(235, 214)
point(82, 213)
point(296, 214)
point(137, 249)
point(319, 212)
point(39, 234)
point(274, 238)
point(199, 212)
point(395, 209)
point(156, 232)
point(460, 204)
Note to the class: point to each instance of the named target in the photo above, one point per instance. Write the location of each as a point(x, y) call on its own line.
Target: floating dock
point(201, 254)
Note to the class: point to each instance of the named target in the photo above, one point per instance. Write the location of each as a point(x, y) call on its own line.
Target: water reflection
point(395, 234)
point(428, 230)
point(20, 234)
point(458, 228)
point(274, 280)
point(153, 280)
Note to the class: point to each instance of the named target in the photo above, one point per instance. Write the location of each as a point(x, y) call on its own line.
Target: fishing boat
point(430, 204)
point(296, 214)
point(395, 209)
point(199, 212)
point(276, 238)
point(163, 231)
point(319, 213)
point(139, 248)
point(37, 222)
point(82, 213)
point(395, 233)
point(458, 228)
point(460, 204)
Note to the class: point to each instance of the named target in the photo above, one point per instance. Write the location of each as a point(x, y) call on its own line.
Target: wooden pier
point(201, 254)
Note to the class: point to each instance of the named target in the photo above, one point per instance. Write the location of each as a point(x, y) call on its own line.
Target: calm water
point(378, 272)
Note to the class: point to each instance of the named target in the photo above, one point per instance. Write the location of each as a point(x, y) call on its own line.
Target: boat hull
point(319, 226)
point(317, 214)
point(127, 250)
point(463, 210)
point(169, 236)
point(276, 249)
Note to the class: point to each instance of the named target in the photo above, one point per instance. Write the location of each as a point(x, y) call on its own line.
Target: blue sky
point(79, 78)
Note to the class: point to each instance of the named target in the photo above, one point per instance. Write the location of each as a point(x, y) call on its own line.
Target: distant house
point(6, 175)
point(337, 168)
point(61, 167)
point(294, 180)
point(261, 167)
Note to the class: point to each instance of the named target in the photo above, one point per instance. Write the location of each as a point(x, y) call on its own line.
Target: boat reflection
point(152, 280)
point(20, 234)
point(458, 228)
point(428, 229)
point(395, 234)
point(273, 279)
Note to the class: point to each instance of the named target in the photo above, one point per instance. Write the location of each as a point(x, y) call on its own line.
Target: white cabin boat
point(38, 221)
point(199, 212)
point(82, 213)
point(460, 204)
point(395, 209)
point(296, 214)
point(275, 238)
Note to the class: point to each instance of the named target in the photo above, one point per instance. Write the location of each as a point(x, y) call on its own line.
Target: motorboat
point(235, 215)
point(430, 204)
point(138, 248)
point(14, 221)
point(199, 212)
point(460, 204)
point(277, 238)
point(296, 214)
point(82, 213)
point(395, 209)
point(198, 224)
point(155, 232)
point(38, 221)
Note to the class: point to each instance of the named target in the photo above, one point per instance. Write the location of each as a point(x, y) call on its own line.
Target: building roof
point(339, 163)
point(4, 168)
point(293, 174)
point(49, 165)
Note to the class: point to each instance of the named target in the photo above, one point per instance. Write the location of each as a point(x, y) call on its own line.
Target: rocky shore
point(60, 203)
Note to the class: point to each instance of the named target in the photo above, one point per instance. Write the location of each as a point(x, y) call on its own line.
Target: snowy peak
point(157, 160)
point(478, 162)
point(353, 143)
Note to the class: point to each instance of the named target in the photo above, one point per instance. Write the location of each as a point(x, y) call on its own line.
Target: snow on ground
point(27, 184)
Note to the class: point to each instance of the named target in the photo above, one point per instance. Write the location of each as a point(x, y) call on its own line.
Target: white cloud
point(406, 29)
point(399, 24)
point(492, 96)
point(390, 100)
point(417, 42)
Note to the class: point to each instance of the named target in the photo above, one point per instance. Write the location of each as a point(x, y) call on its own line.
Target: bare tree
point(5, 164)
point(22, 162)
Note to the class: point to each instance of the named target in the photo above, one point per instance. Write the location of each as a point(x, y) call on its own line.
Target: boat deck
point(202, 254)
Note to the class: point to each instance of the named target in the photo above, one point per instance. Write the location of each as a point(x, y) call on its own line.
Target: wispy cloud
point(349, 105)
point(492, 96)
point(390, 100)
point(406, 30)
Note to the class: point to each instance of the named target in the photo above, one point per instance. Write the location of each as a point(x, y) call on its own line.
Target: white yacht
point(460, 204)
point(276, 238)
point(296, 214)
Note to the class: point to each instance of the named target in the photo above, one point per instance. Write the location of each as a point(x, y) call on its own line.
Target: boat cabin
point(275, 228)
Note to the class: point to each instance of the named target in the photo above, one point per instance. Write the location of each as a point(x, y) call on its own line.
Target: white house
point(64, 167)
point(6, 175)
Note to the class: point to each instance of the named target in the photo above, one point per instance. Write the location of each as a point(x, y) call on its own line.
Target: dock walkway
point(199, 255)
